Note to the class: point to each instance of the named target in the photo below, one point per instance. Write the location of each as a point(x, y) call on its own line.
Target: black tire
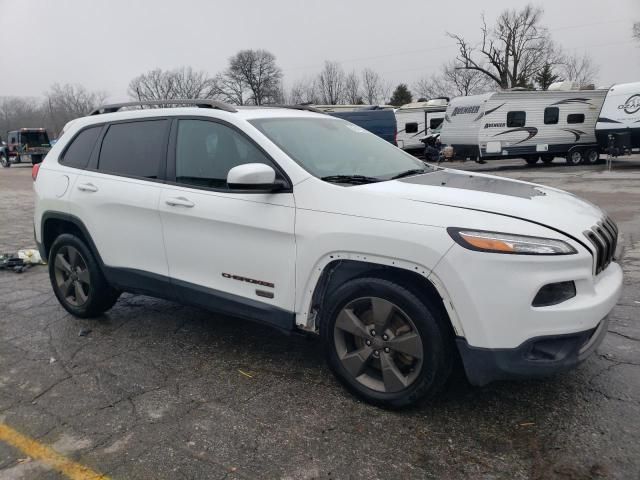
point(531, 160)
point(575, 157)
point(4, 161)
point(547, 159)
point(435, 347)
point(592, 156)
point(95, 295)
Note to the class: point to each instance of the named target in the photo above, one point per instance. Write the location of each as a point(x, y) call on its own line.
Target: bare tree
point(304, 91)
point(352, 94)
point(171, 84)
point(331, 83)
point(231, 88)
point(257, 71)
point(453, 82)
point(579, 69)
point(636, 31)
point(66, 102)
point(18, 112)
point(430, 87)
point(371, 86)
point(512, 51)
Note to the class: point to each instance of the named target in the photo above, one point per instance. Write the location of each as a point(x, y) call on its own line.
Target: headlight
point(497, 242)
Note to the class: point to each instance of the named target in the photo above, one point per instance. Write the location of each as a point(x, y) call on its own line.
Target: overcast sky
point(103, 44)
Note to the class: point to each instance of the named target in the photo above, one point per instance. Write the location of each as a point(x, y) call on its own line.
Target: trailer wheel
point(592, 157)
point(574, 157)
point(4, 161)
point(547, 159)
point(531, 160)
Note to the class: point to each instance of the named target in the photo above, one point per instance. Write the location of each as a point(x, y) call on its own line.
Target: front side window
point(551, 115)
point(575, 118)
point(78, 153)
point(329, 146)
point(206, 151)
point(411, 127)
point(134, 149)
point(435, 123)
point(516, 119)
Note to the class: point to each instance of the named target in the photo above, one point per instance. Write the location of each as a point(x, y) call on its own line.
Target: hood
point(546, 206)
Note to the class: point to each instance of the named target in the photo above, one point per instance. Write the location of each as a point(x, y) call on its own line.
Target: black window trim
point(93, 163)
point(73, 139)
point(584, 117)
point(170, 177)
point(513, 112)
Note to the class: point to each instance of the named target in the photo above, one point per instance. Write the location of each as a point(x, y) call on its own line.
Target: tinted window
point(575, 118)
point(133, 149)
point(516, 119)
point(206, 151)
point(435, 123)
point(551, 115)
point(78, 153)
point(411, 127)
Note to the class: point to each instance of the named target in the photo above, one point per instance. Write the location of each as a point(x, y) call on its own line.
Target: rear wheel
point(384, 343)
point(547, 159)
point(592, 156)
point(4, 161)
point(574, 157)
point(531, 160)
point(77, 280)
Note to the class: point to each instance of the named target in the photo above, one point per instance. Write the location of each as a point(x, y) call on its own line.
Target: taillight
point(34, 171)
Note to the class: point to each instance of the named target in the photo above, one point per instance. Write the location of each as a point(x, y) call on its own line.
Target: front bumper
point(537, 357)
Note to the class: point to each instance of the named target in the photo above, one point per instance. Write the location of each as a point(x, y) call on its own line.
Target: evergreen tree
point(401, 95)
point(545, 77)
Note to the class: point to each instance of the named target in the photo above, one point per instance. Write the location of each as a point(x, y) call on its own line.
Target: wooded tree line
point(517, 50)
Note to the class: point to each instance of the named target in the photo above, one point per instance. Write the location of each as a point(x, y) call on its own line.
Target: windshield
point(35, 139)
point(328, 147)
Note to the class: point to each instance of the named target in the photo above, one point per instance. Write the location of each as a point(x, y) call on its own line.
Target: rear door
point(225, 245)
point(117, 196)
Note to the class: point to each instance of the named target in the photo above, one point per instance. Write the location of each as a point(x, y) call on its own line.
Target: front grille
point(604, 238)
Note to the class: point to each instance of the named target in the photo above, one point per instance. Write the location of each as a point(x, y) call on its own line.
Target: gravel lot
point(161, 391)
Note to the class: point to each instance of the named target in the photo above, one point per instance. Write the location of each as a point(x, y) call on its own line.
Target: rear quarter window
point(79, 151)
point(134, 149)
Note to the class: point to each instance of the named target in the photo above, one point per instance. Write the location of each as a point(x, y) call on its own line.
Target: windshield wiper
point(407, 173)
point(353, 179)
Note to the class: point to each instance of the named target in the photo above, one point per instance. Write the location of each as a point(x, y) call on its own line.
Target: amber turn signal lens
point(488, 244)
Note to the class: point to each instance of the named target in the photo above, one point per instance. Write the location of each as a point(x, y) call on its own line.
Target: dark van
point(381, 122)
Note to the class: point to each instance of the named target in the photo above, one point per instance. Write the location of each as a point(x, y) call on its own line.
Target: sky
point(103, 44)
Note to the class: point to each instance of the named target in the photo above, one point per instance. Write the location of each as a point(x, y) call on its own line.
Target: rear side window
point(551, 115)
point(516, 119)
point(575, 118)
point(79, 151)
point(411, 127)
point(134, 149)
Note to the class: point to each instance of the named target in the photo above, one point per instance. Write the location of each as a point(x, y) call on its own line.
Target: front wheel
point(592, 157)
point(531, 160)
point(77, 279)
point(385, 344)
point(4, 161)
point(574, 157)
point(547, 159)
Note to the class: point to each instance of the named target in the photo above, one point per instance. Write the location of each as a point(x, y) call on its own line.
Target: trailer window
point(575, 118)
point(435, 123)
point(551, 115)
point(411, 127)
point(516, 119)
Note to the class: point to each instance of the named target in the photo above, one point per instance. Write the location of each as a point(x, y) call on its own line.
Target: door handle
point(87, 187)
point(179, 202)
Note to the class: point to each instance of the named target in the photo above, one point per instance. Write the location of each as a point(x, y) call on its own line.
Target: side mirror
point(253, 176)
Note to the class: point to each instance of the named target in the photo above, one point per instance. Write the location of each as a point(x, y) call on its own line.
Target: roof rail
point(296, 107)
point(200, 103)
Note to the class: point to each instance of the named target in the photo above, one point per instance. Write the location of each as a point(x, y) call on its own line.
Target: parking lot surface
point(158, 390)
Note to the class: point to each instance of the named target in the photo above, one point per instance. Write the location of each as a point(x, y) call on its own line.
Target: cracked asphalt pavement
point(156, 390)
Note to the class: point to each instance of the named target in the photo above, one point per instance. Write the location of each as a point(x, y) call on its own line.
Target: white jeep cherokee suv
point(306, 222)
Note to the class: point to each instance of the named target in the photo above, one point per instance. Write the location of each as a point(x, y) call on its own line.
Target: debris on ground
point(248, 375)
point(20, 261)
point(84, 332)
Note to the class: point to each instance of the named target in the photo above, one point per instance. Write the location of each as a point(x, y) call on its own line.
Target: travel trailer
point(525, 124)
point(419, 120)
point(619, 121)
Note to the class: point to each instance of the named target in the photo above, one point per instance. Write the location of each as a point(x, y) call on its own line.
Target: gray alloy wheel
point(592, 157)
point(574, 158)
point(72, 276)
point(4, 161)
point(378, 344)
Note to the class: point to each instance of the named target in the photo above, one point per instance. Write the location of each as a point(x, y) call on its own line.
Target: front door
point(223, 246)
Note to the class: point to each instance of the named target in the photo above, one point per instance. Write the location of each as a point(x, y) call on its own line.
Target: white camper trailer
point(525, 124)
point(419, 120)
point(619, 121)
